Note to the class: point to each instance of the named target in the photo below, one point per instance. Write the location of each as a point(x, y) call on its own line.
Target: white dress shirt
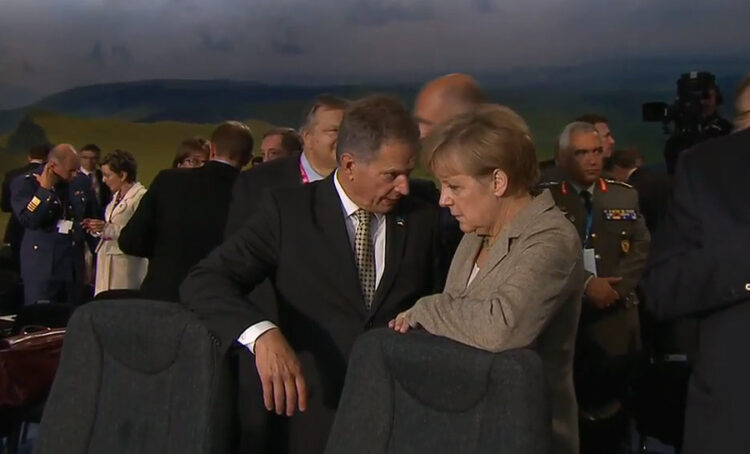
point(251, 334)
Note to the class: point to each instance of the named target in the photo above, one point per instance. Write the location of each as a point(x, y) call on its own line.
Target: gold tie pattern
point(365, 255)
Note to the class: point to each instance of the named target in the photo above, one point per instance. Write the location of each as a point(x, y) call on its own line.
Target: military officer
point(50, 203)
point(615, 241)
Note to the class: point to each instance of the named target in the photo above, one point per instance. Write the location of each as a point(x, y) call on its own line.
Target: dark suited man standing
point(438, 101)
point(700, 267)
point(344, 255)
point(90, 155)
point(654, 189)
point(319, 131)
point(14, 229)
point(181, 218)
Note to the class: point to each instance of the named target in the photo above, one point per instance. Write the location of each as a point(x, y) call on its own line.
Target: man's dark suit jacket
point(105, 195)
point(700, 267)
point(299, 239)
point(14, 229)
point(251, 184)
point(654, 190)
point(178, 222)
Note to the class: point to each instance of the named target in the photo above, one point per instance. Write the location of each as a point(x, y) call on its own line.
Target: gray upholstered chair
point(138, 377)
point(418, 393)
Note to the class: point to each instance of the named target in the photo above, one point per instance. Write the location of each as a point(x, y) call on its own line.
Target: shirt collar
point(312, 175)
point(85, 172)
point(349, 206)
point(217, 159)
point(578, 189)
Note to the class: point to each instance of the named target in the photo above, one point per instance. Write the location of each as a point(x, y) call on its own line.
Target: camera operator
point(694, 114)
point(713, 124)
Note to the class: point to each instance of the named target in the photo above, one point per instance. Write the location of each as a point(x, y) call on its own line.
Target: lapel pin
point(400, 221)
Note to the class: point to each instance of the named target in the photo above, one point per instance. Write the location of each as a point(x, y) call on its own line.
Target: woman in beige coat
point(516, 278)
point(114, 269)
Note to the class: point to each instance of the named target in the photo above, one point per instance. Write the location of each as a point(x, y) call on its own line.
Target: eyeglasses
point(194, 162)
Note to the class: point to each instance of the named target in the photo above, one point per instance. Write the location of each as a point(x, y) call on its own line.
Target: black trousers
point(264, 432)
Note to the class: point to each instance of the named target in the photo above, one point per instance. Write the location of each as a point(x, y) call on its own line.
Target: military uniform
point(608, 339)
point(53, 244)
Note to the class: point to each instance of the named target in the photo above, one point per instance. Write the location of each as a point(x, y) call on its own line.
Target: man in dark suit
point(344, 255)
point(90, 155)
point(438, 101)
point(14, 229)
point(181, 218)
point(654, 189)
point(320, 128)
point(700, 267)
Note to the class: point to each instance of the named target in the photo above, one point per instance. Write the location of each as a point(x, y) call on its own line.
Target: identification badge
point(589, 260)
point(64, 226)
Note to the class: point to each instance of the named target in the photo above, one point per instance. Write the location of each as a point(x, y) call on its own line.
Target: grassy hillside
point(152, 144)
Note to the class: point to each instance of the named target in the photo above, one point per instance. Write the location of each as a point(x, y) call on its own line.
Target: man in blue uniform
point(50, 204)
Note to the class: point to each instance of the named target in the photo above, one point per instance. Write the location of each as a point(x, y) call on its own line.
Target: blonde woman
point(516, 279)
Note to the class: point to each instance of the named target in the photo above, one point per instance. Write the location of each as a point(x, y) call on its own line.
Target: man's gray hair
point(563, 143)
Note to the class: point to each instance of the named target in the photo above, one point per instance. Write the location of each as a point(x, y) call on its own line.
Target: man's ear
point(347, 165)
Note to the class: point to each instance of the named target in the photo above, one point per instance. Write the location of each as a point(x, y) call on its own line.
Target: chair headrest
point(464, 371)
point(142, 335)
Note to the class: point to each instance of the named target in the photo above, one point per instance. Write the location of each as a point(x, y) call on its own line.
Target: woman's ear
point(499, 183)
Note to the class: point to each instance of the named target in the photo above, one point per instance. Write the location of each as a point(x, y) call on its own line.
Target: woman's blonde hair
point(477, 143)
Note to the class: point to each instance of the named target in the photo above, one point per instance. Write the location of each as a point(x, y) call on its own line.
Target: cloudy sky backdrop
point(51, 45)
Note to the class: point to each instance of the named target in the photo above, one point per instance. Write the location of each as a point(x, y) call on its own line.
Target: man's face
point(429, 112)
point(377, 186)
point(89, 160)
point(271, 148)
point(608, 141)
point(742, 108)
point(583, 160)
point(67, 169)
point(710, 103)
point(320, 137)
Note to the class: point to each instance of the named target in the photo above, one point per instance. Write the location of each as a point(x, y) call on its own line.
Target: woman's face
point(193, 160)
point(114, 181)
point(472, 201)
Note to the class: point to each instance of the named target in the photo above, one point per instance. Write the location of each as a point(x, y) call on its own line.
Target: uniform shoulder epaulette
point(618, 183)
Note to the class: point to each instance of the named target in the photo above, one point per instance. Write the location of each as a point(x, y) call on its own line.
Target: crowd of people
point(581, 258)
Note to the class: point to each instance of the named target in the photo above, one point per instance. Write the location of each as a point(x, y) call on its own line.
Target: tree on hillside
point(26, 135)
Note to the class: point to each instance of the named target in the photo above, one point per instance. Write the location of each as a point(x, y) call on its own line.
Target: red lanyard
point(303, 173)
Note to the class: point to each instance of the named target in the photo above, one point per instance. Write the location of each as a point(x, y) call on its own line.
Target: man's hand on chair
point(284, 387)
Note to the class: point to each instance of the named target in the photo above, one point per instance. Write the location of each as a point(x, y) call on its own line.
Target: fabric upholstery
point(137, 377)
point(419, 393)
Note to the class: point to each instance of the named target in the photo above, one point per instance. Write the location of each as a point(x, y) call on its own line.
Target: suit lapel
point(463, 264)
point(497, 254)
point(395, 240)
point(330, 220)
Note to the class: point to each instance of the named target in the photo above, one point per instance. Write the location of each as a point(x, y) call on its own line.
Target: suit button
point(593, 236)
point(36, 246)
point(597, 256)
point(747, 287)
